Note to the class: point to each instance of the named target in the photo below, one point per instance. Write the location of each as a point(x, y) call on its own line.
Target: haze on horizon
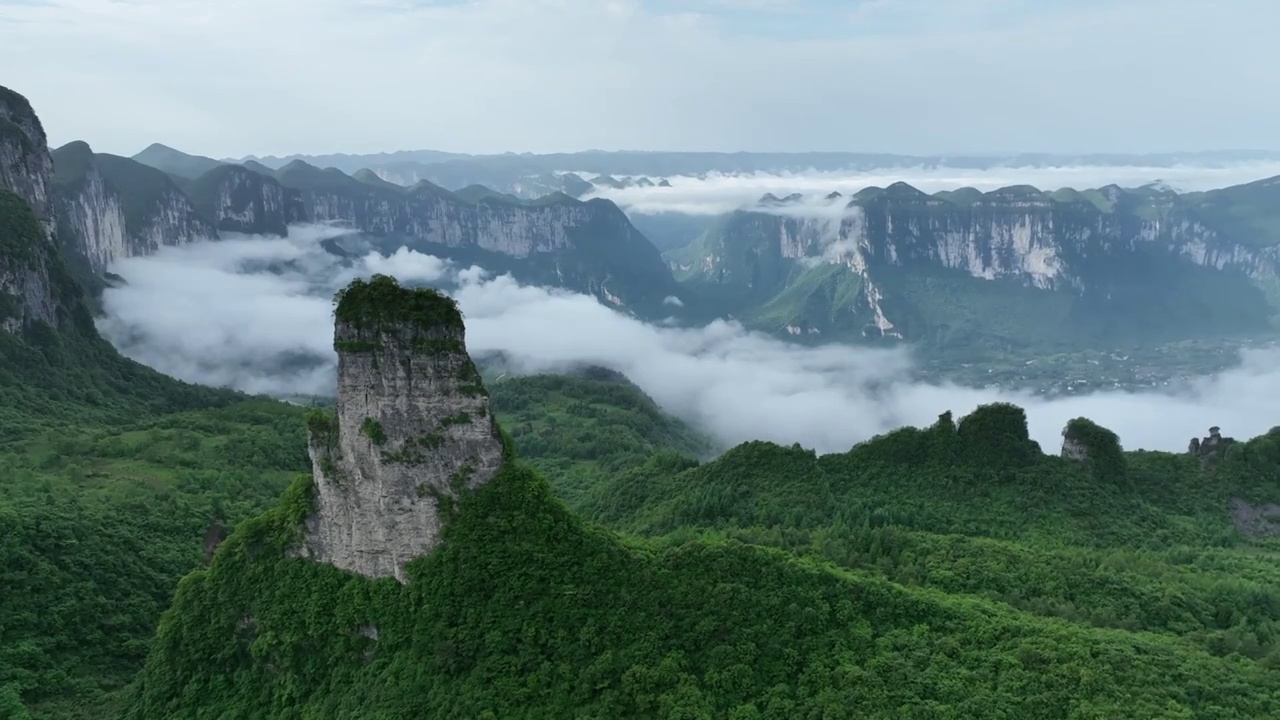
point(919, 77)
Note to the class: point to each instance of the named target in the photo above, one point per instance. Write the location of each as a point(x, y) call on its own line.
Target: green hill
point(954, 571)
point(527, 612)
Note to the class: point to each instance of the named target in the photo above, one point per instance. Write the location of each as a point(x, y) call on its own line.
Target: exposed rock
point(412, 433)
point(1073, 448)
point(241, 199)
point(1213, 445)
point(29, 261)
point(112, 207)
point(1257, 522)
point(26, 167)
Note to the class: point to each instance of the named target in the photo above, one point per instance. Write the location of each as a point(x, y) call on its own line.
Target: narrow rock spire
point(412, 432)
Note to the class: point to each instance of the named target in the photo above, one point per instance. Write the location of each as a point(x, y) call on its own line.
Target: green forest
point(619, 565)
point(950, 572)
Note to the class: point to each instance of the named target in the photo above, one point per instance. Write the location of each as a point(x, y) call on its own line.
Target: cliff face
point(1092, 245)
point(412, 430)
point(518, 231)
point(238, 199)
point(590, 247)
point(25, 164)
point(111, 207)
point(28, 257)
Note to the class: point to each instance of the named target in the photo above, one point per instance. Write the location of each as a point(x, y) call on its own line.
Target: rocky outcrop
point(29, 263)
point(1256, 522)
point(111, 207)
point(1211, 446)
point(245, 200)
point(25, 165)
point(412, 430)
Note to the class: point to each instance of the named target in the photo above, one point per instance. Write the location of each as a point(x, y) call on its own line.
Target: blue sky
point(237, 77)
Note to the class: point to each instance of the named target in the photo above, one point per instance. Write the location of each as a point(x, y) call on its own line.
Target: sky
point(237, 77)
point(212, 312)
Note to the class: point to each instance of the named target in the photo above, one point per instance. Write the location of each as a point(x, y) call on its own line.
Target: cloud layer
point(718, 193)
point(256, 314)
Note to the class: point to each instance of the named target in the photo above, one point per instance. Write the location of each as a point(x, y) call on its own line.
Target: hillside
point(511, 607)
point(1012, 270)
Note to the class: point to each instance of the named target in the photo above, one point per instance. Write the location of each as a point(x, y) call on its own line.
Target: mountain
point(245, 200)
point(112, 207)
point(351, 163)
point(176, 162)
point(590, 247)
point(422, 571)
point(530, 175)
point(1010, 268)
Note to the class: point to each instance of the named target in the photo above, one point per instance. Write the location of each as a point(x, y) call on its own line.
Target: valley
point(795, 467)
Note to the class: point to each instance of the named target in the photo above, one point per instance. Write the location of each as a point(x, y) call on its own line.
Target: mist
point(717, 193)
point(255, 313)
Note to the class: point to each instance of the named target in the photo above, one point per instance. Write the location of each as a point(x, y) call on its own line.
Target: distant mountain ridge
point(530, 175)
point(998, 268)
point(107, 207)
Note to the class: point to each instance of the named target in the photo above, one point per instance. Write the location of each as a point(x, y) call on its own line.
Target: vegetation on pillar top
point(381, 301)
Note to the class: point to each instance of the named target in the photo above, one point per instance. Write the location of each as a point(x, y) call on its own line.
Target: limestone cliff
point(1099, 244)
point(110, 207)
point(29, 263)
point(590, 247)
point(245, 200)
point(25, 164)
point(412, 430)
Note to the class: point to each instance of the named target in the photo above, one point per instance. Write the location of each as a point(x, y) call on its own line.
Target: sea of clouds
point(718, 193)
point(255, 313)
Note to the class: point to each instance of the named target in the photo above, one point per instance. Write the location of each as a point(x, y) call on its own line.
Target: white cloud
point(202, 313)
point(718, 193)
point(910, 76)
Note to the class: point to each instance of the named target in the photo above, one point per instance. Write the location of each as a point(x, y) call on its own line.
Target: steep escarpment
point(240, 199)
point(588, 246)
point(34, 286)
point(1097, 265)
point(412, 431)
point(112, 207)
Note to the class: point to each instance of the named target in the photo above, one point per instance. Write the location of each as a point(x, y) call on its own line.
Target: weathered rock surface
point(27, 253)
point(240, 199)
point(111, 207)
point(412, 431)
point(1257, 522)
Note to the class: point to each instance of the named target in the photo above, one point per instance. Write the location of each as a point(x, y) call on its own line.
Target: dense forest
point(619, 566)
point(954, 571)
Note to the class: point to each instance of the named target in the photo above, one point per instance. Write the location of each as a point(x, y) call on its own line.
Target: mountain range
point(530, 174)
point(108, 207)
point(958, 272)
point(1011, 268)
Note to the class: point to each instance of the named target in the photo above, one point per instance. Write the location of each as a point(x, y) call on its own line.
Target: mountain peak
point(412, 433)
